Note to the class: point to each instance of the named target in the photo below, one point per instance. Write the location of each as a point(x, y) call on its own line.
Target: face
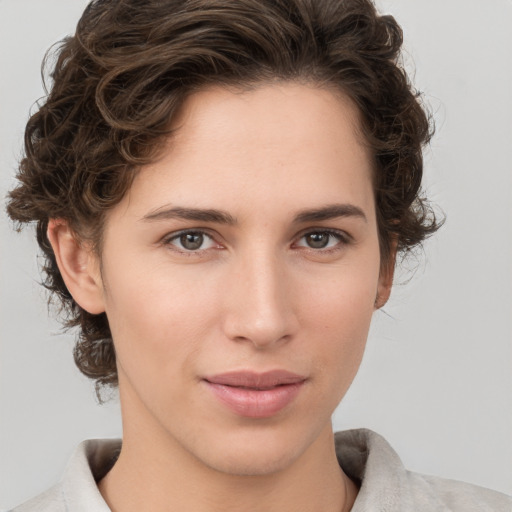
point(240, 274)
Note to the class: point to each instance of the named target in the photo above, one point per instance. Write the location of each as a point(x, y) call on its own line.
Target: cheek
point(157, 318)
point(338, 318)
point(342, 300)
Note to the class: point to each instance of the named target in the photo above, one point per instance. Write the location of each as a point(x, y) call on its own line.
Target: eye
point(191, 241)
point(322, 240)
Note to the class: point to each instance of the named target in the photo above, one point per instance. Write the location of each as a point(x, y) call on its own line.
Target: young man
point(221, 189)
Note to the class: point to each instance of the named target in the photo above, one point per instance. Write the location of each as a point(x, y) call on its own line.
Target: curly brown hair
point(120, 79)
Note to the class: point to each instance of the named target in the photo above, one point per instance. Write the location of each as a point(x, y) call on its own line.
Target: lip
point(256, 395)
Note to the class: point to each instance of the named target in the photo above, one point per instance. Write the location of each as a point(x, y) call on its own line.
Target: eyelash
point(168, 241)
point(342, 238)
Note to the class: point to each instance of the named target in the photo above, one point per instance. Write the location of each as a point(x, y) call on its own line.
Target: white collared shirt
point(386, 486)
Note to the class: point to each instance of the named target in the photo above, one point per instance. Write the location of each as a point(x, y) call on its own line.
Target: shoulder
point(465, 497)
point(77, 490)
point(386, 485)
point(51, 500)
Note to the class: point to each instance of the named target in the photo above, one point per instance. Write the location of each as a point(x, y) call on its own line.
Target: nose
point(259, 302)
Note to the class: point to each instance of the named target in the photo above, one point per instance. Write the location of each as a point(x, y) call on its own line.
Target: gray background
point(436, 380)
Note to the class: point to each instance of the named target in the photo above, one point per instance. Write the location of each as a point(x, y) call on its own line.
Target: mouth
point(256, 395)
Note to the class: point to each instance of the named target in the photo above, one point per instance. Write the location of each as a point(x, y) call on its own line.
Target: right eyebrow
point(198, 214)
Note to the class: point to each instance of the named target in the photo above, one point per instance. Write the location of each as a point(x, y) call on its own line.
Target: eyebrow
point(332, 211)
point(199, 214)
point(328, 212)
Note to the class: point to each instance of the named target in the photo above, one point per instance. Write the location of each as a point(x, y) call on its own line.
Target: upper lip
point(251, 379)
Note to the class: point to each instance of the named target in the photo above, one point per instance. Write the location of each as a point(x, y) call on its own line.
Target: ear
point(78, 265)
point(385, 283)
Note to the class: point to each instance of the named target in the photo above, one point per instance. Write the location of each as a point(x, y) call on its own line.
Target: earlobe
point(385, 284)
point(383, 289)
point(78, 266)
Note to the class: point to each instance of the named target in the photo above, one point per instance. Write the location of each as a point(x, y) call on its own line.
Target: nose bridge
point(259, 306)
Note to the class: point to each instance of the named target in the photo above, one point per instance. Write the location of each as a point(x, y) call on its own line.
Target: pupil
point(191, 241)
point(318, 240)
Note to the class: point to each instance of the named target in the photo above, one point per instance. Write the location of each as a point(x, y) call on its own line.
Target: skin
point(256, 296)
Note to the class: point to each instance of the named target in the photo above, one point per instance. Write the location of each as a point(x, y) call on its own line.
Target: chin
point(257, 461)
point(257, 452)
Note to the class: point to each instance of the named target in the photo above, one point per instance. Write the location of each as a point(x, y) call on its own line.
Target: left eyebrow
point(332, 211)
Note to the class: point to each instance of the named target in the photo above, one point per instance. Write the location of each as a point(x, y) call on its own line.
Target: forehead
point(280, 114)
point(283, 142)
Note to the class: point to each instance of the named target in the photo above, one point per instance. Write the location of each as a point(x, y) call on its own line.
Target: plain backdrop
point(436, 380)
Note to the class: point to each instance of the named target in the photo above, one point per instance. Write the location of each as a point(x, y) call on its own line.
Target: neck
point(154, 470)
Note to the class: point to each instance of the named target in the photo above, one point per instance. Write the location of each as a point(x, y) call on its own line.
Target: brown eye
point(318, 240)
point(192, 241)
point(323, 240)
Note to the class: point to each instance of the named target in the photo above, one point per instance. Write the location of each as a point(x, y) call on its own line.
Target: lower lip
point(254, 403)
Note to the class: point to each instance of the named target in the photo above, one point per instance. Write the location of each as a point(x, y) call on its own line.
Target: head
point(145, 95)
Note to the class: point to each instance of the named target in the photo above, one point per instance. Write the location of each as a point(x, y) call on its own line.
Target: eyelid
point(170, 237)
point(343, 237)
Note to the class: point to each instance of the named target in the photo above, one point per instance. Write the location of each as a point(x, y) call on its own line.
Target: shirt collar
point(88, 465)
point(364, 456)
